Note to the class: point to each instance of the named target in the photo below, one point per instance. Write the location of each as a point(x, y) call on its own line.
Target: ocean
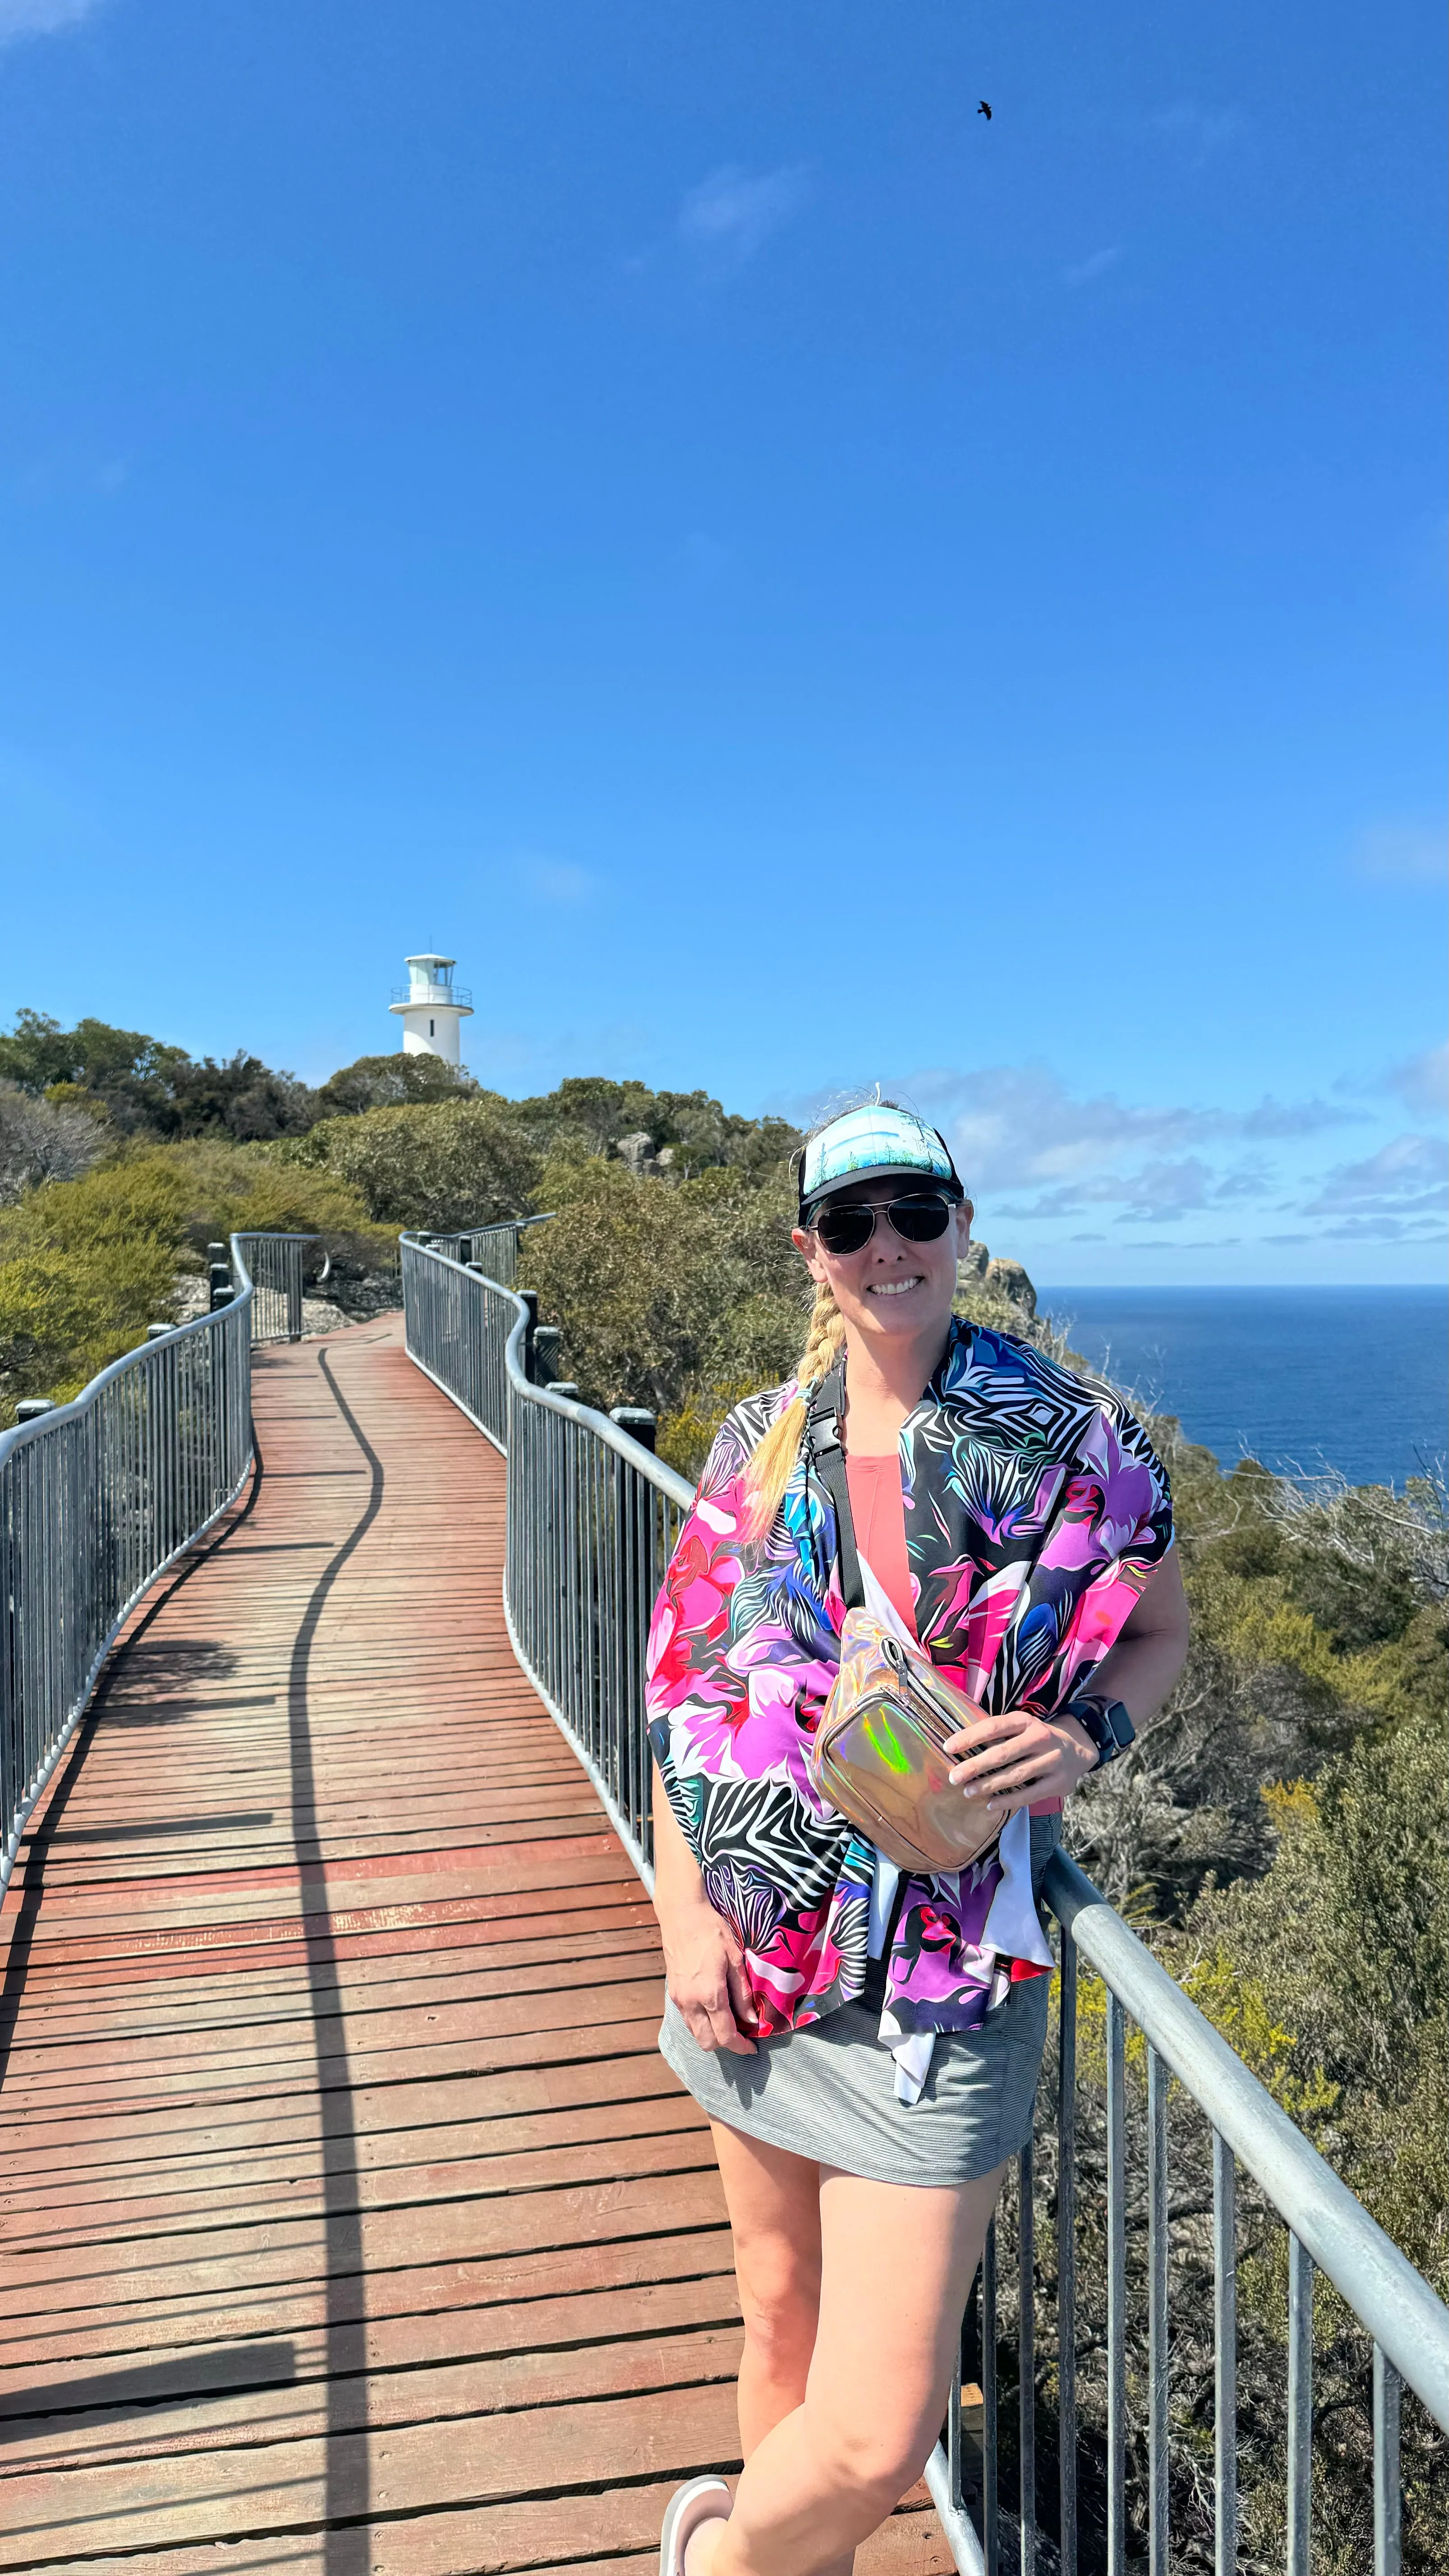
point(1302, 1378)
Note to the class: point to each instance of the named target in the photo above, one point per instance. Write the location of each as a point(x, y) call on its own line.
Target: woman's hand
point(1018, 1759)
point(704, 1969)
point(704, 1966)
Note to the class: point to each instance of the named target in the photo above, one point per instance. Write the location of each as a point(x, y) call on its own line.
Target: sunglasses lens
point(920, 1220)
point(845, 1229)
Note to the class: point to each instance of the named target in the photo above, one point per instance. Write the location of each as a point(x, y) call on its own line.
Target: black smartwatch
point(1107, 1723)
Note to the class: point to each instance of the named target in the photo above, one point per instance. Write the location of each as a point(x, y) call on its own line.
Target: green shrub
point(670, 1294)
point(433, 1165)
point(391, 1081)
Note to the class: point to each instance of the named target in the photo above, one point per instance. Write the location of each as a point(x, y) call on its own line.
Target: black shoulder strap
point(827, 1457)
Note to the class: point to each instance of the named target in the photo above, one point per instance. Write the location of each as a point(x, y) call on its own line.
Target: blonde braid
point(772, 1464)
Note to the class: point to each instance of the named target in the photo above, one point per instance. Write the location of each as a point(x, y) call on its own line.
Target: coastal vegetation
point(1279, 1835)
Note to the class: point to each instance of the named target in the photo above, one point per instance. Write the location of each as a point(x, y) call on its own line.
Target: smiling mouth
point(895, 1287)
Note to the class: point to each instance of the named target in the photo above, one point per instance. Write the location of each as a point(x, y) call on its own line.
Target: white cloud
point(1086, 269)
point(733, 212)
point(1015, 1126)
point(1409, 1177)
point(1154, 1195)
point(41, 17)
point(1381, 1229)
point(1038, 1157)
point(71, 473)
point(1196, 134)
point(558, 881)
point(1402, 853)
point(1421, 1082)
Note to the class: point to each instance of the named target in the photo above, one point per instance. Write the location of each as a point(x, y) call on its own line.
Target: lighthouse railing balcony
point(97, 1498)
point(1170, 2132)
point(423, 995)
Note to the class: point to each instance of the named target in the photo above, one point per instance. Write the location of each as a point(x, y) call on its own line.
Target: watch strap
point(1106, 1721)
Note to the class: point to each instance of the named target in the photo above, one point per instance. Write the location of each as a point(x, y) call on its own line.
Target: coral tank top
point(879, 1515)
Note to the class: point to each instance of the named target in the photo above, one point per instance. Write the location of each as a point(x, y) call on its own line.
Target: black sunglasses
point(848, 1226)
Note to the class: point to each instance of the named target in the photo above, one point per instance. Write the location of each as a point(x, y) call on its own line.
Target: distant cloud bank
point(42, 17)
point(1403, 853)
point(1044, 1158)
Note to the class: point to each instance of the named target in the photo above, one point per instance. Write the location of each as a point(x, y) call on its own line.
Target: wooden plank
point(570, 2535)
point(75, 2242)
point(164, 2504)
point(413, 2313)
point(312, 2409)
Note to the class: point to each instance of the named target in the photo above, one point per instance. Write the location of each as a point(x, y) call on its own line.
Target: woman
point(866, 2043)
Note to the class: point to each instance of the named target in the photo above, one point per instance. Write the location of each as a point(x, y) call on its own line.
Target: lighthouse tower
point(430, 1006)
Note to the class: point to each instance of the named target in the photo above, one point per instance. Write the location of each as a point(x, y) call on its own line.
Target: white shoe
point(702, 2500)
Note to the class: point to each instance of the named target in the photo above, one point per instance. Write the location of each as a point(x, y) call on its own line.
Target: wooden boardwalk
point(352, 2224)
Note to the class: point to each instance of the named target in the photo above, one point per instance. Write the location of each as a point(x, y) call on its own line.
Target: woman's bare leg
point(896, 2264)
point(774, 2206)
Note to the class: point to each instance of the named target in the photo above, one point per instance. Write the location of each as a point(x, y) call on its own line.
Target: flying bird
point(985, 110)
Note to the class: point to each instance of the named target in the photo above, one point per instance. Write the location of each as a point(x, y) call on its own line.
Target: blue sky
point(792, 582)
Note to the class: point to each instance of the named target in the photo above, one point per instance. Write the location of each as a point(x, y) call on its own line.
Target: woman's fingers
point(715, 2027)
point(990, 1731)
point(1008, 1770)
point(743, 2007)
point(708, 1982)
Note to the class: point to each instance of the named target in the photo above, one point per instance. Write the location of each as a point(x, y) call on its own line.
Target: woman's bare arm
point(704, 1966)
point(1150, 1653)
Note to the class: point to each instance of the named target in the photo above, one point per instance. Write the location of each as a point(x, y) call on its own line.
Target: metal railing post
point(1067, 2256)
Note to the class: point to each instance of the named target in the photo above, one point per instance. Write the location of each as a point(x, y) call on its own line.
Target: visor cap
point(876, 1143)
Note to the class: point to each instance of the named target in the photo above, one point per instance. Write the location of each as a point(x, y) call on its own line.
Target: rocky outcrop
point(1010, 1281)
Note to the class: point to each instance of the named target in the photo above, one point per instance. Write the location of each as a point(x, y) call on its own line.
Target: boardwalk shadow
point(347, 2546)
point(169, 1667)
point(222, 2369)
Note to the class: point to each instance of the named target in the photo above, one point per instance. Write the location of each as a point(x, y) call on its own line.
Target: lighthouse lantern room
point(430, 1006)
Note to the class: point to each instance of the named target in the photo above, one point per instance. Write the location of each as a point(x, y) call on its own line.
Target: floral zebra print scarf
point(1035, 1513)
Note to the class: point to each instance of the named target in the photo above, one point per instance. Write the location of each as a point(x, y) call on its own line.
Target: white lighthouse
point(430, 1006)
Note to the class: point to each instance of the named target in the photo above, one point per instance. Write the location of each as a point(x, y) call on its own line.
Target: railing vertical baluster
point(1158, 2546)
point(954, 2464)
point(1067, 2254)
point(1026, 2351)
point(97, 1498)
point(1388, 2511)
point(1225, 2358)
point(1116, 2288)
point(1300, 2407)
point(990, 2466)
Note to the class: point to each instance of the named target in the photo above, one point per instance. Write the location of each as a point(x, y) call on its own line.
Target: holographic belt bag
point(878, 1754)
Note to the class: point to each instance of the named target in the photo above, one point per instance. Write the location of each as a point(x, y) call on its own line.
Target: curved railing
point(97, 1498)
point(491, 1248)
point(591, 1519)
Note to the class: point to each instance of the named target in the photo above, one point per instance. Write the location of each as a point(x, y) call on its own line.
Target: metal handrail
point(590, 1517)
point(421, 995)
point(491, 1247)
point(97, 1498)
point(277, 1267)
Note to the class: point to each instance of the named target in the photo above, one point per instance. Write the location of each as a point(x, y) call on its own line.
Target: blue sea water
point(1301, 1378)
